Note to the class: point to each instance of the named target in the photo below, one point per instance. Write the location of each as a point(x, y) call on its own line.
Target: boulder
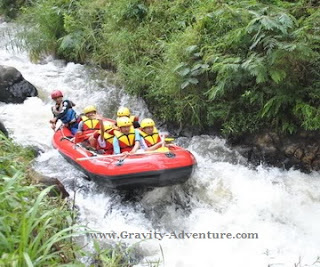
point(58, 189)
point(13, 87)
point(301, 150)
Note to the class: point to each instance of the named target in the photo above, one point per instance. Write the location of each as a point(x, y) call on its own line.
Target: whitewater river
point(224, 195)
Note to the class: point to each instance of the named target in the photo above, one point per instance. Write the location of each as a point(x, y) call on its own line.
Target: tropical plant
point(238, 66)
point(34, 228)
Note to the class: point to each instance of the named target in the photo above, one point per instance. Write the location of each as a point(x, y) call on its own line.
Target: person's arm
point(55, 110)
point(137, 138)
point(135, 148)
point(155, 146)
point(80, 127)
point(98, 117)
point(143, 144)
point(54, 120)
point(116, 147)
point(102, 142)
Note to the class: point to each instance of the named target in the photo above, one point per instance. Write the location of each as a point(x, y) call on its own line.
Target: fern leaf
point(277, 75)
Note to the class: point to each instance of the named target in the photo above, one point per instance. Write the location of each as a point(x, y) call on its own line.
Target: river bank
point(300, 150)
point(34, 226)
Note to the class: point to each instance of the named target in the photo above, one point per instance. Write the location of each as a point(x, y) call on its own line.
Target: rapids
point(224, 195)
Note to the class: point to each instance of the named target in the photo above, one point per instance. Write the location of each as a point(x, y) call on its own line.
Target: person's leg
point(92, 141)
point(74, 128)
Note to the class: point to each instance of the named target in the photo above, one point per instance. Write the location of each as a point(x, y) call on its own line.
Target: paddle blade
point(162, 149)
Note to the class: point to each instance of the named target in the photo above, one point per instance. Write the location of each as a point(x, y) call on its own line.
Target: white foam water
point(224, 195)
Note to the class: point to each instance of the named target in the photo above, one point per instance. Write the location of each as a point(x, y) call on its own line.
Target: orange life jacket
point(151, 139)
point(126, 142)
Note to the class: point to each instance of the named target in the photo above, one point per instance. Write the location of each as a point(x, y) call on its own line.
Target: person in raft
point(150, 137)
point(127, 139)
point(63, 110)
point(90, 122)
point(102, 140)
point(125, 112)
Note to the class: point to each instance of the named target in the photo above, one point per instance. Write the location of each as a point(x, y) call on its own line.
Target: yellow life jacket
point(108, 137)
point(126, 142)
point(90, 124)
point(151, 139)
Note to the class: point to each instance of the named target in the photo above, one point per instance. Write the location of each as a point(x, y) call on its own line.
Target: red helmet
point(56, 93)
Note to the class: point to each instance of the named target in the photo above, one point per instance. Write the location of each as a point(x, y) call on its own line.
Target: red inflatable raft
point(142, 169)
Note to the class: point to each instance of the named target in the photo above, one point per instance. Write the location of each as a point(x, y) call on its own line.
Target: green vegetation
point(34, 228)
point(238, 66)
point(10, 8)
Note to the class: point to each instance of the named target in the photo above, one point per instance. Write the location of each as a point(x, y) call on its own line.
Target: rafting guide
point(63, 111)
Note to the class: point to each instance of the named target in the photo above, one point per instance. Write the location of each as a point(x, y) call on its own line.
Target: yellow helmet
point(124, 121)
point(147, 123)
point(107, 125)
point(123, 112)
point(88, 109)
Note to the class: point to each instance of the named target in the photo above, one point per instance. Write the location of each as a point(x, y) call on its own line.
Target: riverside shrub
point(239, 66)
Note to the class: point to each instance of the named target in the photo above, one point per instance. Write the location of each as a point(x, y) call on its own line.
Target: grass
point(38, 230)
point(35, 230)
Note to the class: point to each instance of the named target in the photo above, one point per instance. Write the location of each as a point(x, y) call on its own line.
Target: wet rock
point(13, 87)
point(188, 132)
point(177, 129)
point(36, 151)
point(58, 189)
point(316, 164)
point(290, 150)
point(301, 150)
point(3, 129)
point(298, 153)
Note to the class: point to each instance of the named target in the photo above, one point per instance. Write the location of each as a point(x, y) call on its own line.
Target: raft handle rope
point(93, 154)
point(70, 139)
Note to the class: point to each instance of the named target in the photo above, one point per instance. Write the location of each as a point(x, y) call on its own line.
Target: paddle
point(58, 125)
point(120, 161)
point(159, 150)
point(162, 149)
point(96, 157)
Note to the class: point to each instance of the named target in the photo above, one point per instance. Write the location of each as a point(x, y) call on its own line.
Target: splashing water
point(224, 195)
